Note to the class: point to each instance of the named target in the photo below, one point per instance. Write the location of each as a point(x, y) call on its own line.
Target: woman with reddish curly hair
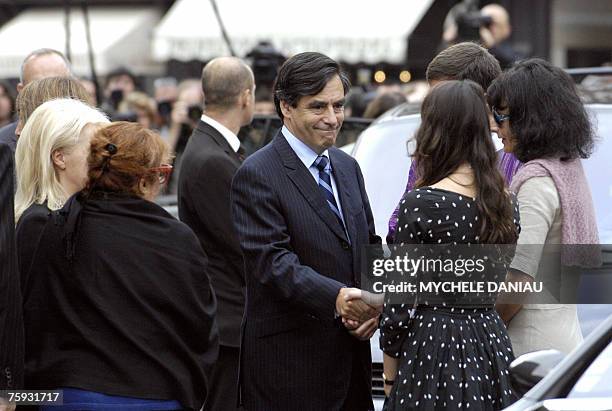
point(119, 311)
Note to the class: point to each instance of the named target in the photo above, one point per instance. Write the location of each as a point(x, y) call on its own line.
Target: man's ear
point(58, 159)
point(19, 87)
point(246, 98)
point(286, 109)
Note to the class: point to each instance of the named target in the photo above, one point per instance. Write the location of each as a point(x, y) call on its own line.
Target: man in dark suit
point(38, 64)
point(302, 215)
point(11, 320)
point(211, 158)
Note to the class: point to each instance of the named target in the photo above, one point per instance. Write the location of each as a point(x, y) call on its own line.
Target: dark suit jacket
point(8, 137)
point(207, 169)
point(11, 316)
point(295, 353)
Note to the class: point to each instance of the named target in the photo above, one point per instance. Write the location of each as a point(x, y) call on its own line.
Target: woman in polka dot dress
point(451, 356)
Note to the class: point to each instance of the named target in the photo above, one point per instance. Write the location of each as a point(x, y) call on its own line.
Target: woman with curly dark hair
point(545, 125)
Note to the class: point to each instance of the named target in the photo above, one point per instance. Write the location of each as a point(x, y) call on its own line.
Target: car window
point(383, 157)
point(595, 381)
point(599, 171)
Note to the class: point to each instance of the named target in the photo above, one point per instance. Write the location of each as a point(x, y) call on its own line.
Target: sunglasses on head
point(499, 118)
point(163, 173)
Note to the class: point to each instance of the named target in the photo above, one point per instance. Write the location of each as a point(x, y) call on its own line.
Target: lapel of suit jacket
point(218, 138)
point(301, 177)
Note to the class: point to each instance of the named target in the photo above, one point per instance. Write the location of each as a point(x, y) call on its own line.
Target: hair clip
point(111, 148)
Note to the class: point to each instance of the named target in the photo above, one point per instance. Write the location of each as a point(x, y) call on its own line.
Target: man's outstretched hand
point(351, 306)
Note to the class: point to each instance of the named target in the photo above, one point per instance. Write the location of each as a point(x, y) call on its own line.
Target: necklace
point(461, 184)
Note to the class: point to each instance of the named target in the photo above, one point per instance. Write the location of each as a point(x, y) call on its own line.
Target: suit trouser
point(223, 392)
point(358, 399)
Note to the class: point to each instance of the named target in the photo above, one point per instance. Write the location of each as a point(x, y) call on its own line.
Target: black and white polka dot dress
point(450, 357)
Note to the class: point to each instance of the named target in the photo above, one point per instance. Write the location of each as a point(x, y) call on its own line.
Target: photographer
point(186, 113)
point(119, 83)
point(495, 35)
point(165, 94)
point(489, 26)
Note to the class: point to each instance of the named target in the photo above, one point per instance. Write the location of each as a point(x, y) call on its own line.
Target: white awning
point(351, 31)
point(121, 36)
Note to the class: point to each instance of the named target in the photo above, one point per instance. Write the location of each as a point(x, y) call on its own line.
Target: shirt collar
point(231, 138)
point(306, 154)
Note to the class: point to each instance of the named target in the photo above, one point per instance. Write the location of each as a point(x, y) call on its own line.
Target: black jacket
point(11, 321)
point(116, 301)
point(8, 136)
point(207, 168)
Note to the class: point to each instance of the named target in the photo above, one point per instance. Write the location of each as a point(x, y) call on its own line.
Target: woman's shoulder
point(34, 215)
point(437, 197)
point(539, 190)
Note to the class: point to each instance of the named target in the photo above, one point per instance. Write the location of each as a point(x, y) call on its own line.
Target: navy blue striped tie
point(326, 186)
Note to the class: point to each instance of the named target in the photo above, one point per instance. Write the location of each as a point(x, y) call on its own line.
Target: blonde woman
point(51, 165)
point(51, 153)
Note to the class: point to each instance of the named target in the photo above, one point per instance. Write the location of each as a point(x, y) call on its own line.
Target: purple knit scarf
point(578, 225)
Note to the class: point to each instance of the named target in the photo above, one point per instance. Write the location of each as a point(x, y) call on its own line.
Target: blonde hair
point(39, 91)
point(55, 125)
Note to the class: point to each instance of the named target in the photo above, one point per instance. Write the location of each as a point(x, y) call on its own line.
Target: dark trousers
point(223, 393)
point(359, 399)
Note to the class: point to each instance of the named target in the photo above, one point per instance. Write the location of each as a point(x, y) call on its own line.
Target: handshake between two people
point(359, 311)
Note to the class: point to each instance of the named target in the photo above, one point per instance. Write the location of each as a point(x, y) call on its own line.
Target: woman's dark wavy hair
point(455, 130)
point(547, 117)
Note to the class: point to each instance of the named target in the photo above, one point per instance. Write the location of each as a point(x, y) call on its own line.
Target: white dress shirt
point(308, 157)
point(231, 138)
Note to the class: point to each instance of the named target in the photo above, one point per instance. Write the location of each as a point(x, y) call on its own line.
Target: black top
point(116, 301)
point(436, 216)
point(28, 236)
point(429, 215)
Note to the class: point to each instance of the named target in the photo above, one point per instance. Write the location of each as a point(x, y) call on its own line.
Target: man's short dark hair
point(223, 80)
point(305, 74)
point(464, 61)
point(547, 117)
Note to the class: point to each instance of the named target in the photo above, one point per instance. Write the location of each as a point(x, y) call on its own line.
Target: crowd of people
point(253, 299)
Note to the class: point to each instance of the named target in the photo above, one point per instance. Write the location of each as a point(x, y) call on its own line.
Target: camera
point(129, 116)
point(116, 96)
point(265, 61)
point(194, 113)
point(164, 108)
point(469, 24)
point(468, 19)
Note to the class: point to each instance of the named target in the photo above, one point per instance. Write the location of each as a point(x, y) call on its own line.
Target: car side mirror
point(528, 369)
